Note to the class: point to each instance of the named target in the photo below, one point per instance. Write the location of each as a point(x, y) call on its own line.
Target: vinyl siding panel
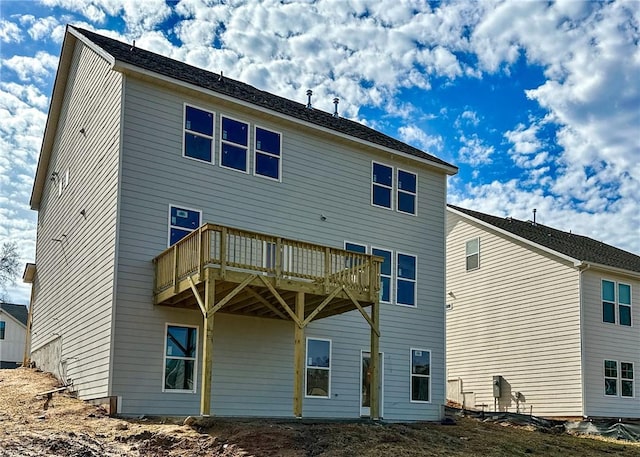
point(75, 253)
point(320, 176)
point(517, 316)
point(605, 341)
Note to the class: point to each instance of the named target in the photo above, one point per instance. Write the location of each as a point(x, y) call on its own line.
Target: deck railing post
point(223, 252)
point(279, 253)
point(175, 268)
point(327, 268)
point(201, 251)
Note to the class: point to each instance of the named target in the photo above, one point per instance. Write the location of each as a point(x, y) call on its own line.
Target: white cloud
point(9, 32)
point(34, 69)
point(412, 134)
point(474, 151)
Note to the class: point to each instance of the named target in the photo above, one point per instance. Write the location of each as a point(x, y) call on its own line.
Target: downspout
point(582, 267)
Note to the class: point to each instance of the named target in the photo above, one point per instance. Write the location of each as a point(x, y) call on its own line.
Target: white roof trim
point(620, 271)
point(7, 313)
point(129, 68)
point(576, 262)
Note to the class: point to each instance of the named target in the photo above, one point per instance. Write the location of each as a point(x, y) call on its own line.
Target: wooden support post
point(375, 362)
point(207, 345)
point(298, 356)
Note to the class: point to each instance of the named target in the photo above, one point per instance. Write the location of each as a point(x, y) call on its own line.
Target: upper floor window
point(406, 279)
point(473, 254)
point(2, 328)
point(386, 271)
point(318, 368)
point(616, 303)
point(234, 144)
point(382, 185)
point(182, 221)
point(267, 159)
point(198, 134)
point(181, 346)
point(407, 192)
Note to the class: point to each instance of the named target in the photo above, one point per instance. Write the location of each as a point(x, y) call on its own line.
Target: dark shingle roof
point(576, 246)
point(19, 312)
point(208, 80)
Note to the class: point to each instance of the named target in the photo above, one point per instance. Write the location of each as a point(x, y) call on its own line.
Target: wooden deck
point(228, 270)
point(263, 264)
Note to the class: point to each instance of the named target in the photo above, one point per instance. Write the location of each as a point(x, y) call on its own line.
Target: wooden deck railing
point(230, 248)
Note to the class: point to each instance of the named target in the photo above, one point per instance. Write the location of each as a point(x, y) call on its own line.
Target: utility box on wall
point(497, 386)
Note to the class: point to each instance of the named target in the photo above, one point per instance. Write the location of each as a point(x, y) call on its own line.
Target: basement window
point(318, 368)
point(420, 375)
point(198, 134)
point(180, 358)
point(234, 144)
point(267, 157)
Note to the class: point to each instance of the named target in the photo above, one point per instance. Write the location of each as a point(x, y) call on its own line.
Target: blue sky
point(537, 103)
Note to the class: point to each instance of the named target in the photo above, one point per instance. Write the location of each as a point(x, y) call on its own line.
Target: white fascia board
point(616, 270)
point(94, 47)
point(576, 262)
point(129, 68)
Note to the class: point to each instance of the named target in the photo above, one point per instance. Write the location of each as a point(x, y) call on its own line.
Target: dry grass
point(69, 427)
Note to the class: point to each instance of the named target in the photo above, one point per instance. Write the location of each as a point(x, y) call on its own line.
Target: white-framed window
point(267, 160)
point(406, 274)
point(381, 185)
point(182, 221)
point(407, 192)
point(318, 368)
point(626, 379)
point(198, 134)
point(420, 376)
point(472, 254)
point(611, 377)
point(386, 273)
point(616, 302)
point(234, 144)
point(180, 358)
point(2, 329)
point(618, 379)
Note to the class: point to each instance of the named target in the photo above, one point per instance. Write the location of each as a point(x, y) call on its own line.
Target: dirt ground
point(64, 426)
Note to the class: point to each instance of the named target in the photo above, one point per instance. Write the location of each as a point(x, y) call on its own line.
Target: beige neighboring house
point(13, 330)
point(539, 320)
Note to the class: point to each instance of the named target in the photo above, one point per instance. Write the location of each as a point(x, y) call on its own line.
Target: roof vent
point(534, 216)
point(336, 100)
point(309, 94)
point(221, 78)
point(133, 46)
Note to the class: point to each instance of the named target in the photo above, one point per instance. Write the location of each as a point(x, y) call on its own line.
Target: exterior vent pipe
point(335, 102)
point(309, 94)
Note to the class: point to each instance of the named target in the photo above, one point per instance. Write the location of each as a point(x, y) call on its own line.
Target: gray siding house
point(205, 247)
point(555, 316)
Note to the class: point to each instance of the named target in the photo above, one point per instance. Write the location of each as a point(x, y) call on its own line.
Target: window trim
point(391, 281)
point(306, 367)
point(415, 281)
point(184, 129)
point(605, 377)
point(392, 188)
point(616, 302)
point(466, 256)
point(236, 145)
point(3, 330)
point(399, 191)
point(412, 374)
point(256, 152)
point(169, 224)
point(195, 360)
